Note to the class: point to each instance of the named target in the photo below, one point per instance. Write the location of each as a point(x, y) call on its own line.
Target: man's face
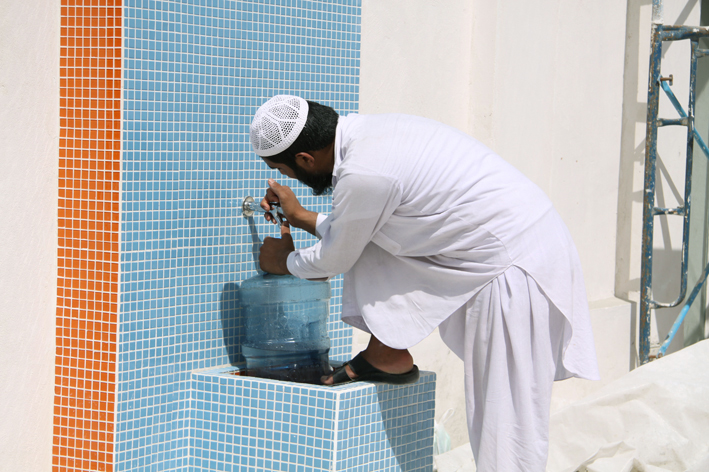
point(318, 182)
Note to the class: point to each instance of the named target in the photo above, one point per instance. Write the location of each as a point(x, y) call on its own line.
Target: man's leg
point(510, 350)
point(384, 358)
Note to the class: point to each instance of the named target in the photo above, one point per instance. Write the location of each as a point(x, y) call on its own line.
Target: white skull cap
point(277, 124)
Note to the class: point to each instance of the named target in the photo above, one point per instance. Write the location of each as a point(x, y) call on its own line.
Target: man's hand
point(296, 215)
point(285, 197)
point(274, 252)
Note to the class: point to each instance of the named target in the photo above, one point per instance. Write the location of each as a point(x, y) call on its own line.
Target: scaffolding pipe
point(656, 82)
point(657, 12)
point(653, 102)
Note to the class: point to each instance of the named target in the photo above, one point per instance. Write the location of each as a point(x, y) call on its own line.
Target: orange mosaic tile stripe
point(89, 214)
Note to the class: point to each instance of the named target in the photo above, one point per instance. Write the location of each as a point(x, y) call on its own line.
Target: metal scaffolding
point(660, 34)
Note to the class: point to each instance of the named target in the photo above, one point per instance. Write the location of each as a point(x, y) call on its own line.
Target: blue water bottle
point(286, 328)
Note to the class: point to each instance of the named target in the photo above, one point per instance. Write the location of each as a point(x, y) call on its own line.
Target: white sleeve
point(321, 224)
point(361, 205)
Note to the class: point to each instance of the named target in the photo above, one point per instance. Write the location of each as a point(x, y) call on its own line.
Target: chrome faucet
point(251, 206)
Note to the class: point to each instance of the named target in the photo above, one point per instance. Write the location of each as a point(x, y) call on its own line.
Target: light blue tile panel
point(387, 427)
point(253, 425)
point(194, 73)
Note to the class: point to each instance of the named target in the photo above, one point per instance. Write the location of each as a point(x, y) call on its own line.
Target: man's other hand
point(274, 252)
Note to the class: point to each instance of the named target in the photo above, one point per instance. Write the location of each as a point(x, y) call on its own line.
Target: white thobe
point(423, 219)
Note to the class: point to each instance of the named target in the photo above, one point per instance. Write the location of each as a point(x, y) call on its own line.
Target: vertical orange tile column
point(89, 214)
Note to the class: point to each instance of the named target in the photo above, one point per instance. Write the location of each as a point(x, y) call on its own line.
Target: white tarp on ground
point(654, 419)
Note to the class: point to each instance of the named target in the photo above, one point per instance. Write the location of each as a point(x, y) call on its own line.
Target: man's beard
point(319, 183)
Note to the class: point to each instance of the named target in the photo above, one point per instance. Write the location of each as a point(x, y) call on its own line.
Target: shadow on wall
point(665, 289)
point(230, 313)
point(627, 283)
point(408, 437)
point(630, 194)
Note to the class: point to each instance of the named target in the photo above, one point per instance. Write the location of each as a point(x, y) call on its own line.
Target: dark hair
point(318, 133)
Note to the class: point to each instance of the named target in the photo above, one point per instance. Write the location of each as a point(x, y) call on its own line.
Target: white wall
point(29, 126)
point(415, 58)
point(541, 83)
point(556, 108)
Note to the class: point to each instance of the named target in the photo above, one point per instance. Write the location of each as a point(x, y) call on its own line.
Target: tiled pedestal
point(248, 424)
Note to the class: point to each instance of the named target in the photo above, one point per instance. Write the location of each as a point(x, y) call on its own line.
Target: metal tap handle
point(250, 206)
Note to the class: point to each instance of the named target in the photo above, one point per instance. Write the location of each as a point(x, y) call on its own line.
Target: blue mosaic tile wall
point(194, 73)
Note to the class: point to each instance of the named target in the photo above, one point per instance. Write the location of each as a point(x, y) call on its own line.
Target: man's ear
point(305, 160)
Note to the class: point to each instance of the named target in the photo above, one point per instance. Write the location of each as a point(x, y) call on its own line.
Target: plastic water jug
point(286, 328)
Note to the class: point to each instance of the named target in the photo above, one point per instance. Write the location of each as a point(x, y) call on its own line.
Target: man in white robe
point(432, 229)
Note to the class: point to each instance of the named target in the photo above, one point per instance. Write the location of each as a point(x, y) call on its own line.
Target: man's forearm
point(305, 220)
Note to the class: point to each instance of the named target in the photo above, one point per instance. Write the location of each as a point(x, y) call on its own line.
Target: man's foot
point(383, 359)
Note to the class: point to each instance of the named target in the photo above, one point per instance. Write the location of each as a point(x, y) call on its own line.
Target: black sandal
point(367, 372)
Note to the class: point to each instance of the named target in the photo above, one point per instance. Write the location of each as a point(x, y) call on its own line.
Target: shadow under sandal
point(367, 372)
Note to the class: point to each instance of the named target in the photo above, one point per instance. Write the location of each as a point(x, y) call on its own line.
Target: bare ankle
point(388, 359)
